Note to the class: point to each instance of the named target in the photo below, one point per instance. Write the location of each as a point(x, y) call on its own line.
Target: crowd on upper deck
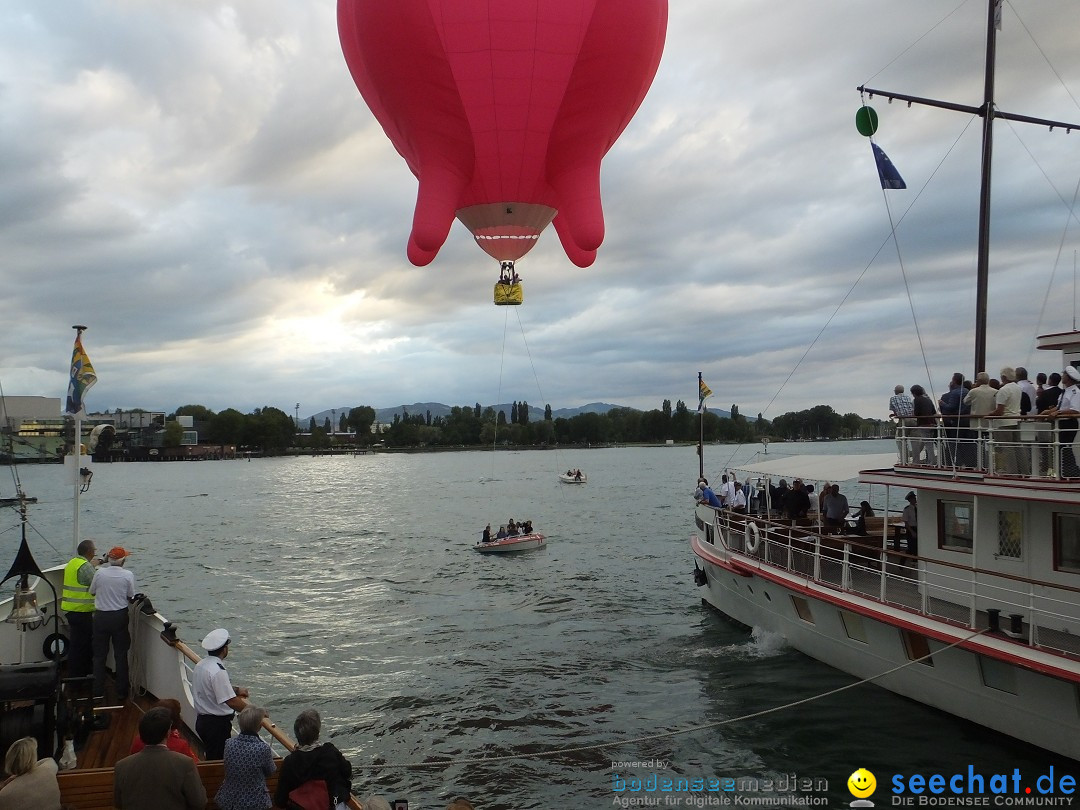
point(955, 430)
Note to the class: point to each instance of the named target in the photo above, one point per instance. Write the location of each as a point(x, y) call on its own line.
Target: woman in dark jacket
point(925, 434)
point(313, 760)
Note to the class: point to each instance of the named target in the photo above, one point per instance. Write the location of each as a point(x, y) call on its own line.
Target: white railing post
point(1031, 615)
point(971, 604)
point(883, 560)
point(845, 572)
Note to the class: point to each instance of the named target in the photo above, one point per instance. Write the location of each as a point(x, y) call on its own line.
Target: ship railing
point(1041, 614)
point(164, 666)
point(1034, 447)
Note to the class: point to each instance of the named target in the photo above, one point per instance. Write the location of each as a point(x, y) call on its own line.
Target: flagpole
point(77, 452)
point(701, 431)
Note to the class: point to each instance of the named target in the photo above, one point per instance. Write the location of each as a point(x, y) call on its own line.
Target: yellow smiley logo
point(861, 783)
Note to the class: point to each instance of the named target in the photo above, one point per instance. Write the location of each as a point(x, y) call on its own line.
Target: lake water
point(348, 584)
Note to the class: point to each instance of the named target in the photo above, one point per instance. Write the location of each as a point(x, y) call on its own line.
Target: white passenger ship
point(984, 621)
point(987, 615)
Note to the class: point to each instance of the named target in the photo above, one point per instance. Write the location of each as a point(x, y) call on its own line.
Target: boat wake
point(761, 644)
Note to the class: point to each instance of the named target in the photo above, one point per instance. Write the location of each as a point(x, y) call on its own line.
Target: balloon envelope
point(504, 110)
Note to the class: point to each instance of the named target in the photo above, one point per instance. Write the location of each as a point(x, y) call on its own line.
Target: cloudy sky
point(203, 186)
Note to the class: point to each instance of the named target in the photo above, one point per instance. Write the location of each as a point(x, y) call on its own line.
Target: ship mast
point(988, 112)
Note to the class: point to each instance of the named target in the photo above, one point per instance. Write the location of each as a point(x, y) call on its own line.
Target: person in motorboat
point(511, 527)
point(577, 475)
point(501, 534)
point(527, 528)
point(485, 536)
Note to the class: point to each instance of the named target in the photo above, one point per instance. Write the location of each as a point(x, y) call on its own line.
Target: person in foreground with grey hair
point(248, 761)
point(312, 760)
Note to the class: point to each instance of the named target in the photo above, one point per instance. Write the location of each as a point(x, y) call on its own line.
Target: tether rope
point(666, 734)
point(539, 390)
point(498, 396)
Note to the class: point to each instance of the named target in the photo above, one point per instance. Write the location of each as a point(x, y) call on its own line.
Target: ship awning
point(820, 468)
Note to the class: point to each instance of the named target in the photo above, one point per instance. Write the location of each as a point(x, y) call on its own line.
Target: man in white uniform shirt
point(1068, 407)
point(113, 588)
point(214, 696)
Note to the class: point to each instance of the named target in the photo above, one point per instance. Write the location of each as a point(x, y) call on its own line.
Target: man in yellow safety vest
point(78, 604)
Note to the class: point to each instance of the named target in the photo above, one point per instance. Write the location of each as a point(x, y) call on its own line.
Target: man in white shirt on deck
point(1068, 407)
point(727, 490)
point(1006, 432)
point(214, 697)
point(113, 588)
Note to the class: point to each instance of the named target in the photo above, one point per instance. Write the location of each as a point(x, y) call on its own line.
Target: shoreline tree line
point(272, 431)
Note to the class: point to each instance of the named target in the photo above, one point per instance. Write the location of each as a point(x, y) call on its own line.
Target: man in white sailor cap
point(214, 696)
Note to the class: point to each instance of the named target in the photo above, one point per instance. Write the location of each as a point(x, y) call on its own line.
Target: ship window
point(955, 525)
point(1010, 534)
point(998, 675)
point(917, 647)
point(1067, 543)
point(853, 626)
point(802, 607)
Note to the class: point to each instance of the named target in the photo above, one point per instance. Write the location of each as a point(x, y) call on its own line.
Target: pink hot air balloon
point(504, 110)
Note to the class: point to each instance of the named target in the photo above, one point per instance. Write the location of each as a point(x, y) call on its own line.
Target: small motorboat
point(509, 545)
point(575, 477)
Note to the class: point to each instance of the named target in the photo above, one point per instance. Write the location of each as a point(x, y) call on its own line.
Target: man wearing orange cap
point(113, 588)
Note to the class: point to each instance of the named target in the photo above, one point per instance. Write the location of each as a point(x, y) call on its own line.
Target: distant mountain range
point(386, 415)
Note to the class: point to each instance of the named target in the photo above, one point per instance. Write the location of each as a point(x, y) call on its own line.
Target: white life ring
point(752, 538)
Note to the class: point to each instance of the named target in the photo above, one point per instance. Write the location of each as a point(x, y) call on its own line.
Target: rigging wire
point(1057, 261)
point(927, 33)
point(1042, 53)
point(668, 734)
point(836, 311)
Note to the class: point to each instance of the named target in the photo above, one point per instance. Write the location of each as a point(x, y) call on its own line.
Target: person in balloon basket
point(216, 701)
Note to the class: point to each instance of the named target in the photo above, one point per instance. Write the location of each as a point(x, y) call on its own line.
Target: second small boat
point(510, 545)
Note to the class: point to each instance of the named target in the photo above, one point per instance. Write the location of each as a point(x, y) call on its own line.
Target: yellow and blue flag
point(703, 393)
point(82, 377)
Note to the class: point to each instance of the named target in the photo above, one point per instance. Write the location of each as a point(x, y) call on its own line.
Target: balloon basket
point(507, 294)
